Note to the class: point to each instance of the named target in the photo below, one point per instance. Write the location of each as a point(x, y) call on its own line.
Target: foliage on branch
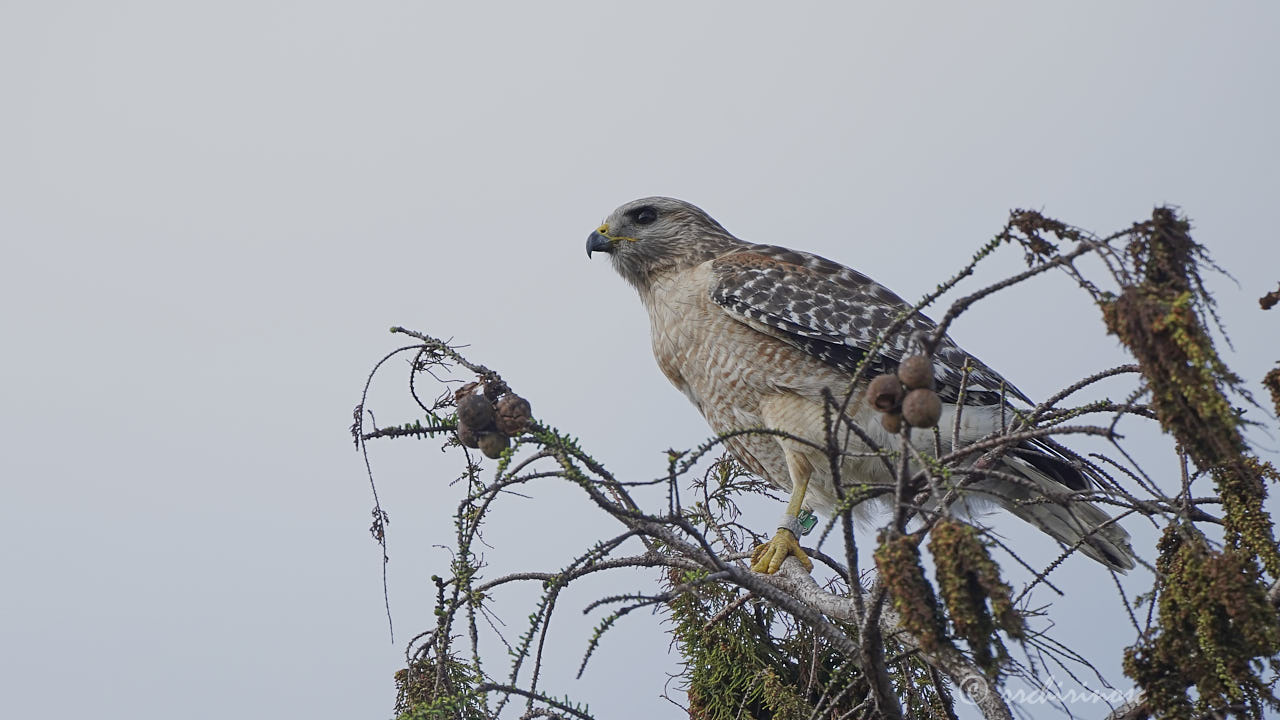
point(978, 601)
point(1161, 314)
point(1215, 619)
point(734, 666)
point(744, 658)
point(442, 688)
point(898, 564)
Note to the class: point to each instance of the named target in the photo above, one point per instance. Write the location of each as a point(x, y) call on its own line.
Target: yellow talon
point(767, 558)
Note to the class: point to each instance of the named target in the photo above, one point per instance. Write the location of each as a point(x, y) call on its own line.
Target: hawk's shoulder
point(838, 314)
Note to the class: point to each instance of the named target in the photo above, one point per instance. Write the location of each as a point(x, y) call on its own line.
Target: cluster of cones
point(906, 396)
point(489, 415)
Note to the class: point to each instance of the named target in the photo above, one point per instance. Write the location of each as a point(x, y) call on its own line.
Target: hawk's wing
point(836, 314)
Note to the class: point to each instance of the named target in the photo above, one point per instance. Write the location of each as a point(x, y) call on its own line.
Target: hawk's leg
point(767, 558)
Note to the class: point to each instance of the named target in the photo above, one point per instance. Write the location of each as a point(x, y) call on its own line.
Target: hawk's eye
point(646, 215)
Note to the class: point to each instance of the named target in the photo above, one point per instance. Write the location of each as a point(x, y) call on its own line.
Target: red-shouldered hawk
point(754, 334)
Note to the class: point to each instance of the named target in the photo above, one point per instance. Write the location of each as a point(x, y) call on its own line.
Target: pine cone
point(916, 372)
point(513, 413)
point(495, 388)
point(884, 393)
point(467, 436)
point(922, 408)
point(492, 444)
point(476, 412)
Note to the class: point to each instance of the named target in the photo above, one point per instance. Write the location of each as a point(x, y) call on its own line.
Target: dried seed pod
point(467, 436)
point(475, 412)
point(916, 372)
point(468, 389)
point(891, 422)
point(492, 444)
point(495, 388)
point(884, 393)
point(922, 408)
point(514, 414)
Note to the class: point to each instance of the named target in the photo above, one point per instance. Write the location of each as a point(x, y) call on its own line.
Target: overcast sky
point(211, 212)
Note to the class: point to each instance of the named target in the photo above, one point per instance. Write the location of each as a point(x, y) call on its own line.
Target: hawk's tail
point(1074, 523)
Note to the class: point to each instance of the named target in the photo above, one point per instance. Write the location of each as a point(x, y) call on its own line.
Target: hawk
point(755, 334)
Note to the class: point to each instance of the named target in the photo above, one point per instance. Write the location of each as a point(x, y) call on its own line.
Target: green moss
point(1215, 621)
point(898, 564)
point(1161, 316)
point(1272, 383)
point(1216, 629)
point(978, 601)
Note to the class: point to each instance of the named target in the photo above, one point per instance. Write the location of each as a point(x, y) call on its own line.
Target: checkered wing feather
point(836, 314)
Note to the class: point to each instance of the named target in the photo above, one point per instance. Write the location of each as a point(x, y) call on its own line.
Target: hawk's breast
point(727, 368)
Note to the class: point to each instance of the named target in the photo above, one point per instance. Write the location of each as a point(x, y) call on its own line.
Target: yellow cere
point(604, 230)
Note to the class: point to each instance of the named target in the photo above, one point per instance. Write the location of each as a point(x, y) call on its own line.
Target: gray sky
point(211, 212)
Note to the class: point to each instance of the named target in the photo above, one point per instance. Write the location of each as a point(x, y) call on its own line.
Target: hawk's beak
point(596, 241)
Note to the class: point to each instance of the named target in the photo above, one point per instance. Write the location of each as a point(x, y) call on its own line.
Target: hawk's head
point(653, 235)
